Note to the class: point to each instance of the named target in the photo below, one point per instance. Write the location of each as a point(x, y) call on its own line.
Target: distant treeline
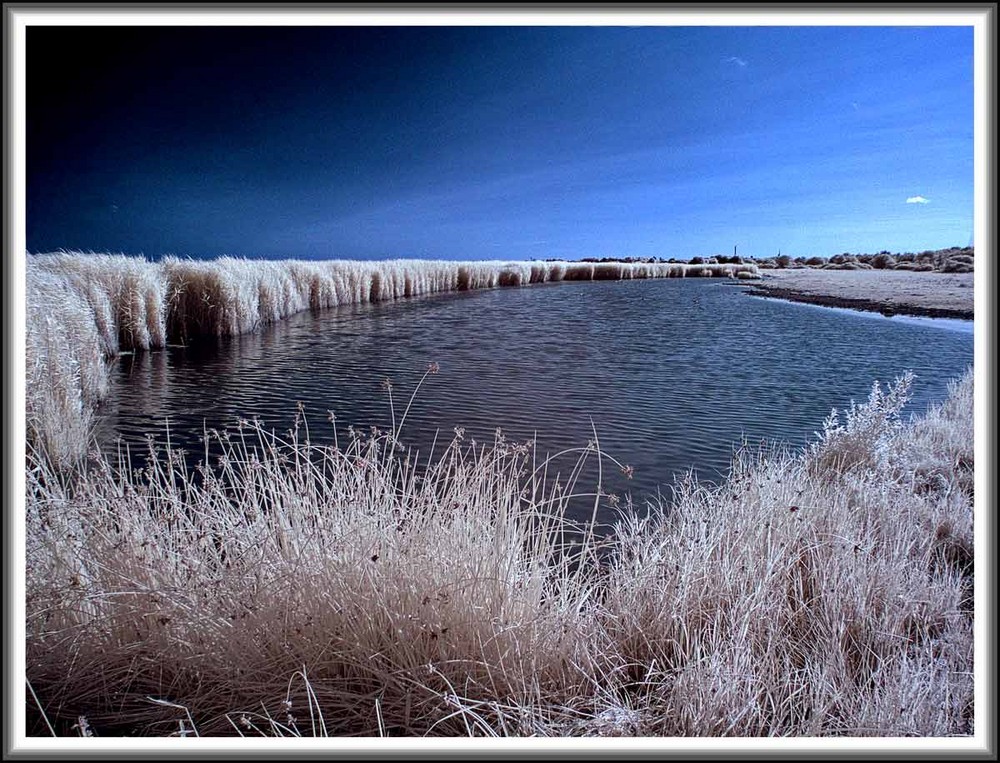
point(952, 260)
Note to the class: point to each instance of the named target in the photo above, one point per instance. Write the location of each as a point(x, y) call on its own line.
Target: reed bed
point(289, 588)
point(86, 306)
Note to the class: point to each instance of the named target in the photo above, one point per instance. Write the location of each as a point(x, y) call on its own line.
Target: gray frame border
point(986, 309)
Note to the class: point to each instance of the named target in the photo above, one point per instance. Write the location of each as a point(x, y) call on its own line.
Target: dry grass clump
point(288, 588)
point(811, 594)
point(405, 591)
point(230, 296)
point(861, 440)
point(65, 369)
point(82, 310)
point(127, 295)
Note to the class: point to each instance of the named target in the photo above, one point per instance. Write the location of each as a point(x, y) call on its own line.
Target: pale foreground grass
point(293, 589)
point(84, 308)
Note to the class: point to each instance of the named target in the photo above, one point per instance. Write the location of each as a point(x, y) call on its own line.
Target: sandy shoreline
point(890, 292)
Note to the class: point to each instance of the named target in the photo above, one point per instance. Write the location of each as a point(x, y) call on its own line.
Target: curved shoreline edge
point(83, 310)
point(886, 308)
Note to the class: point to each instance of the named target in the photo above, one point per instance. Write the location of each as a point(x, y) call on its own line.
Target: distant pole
point(734, 250)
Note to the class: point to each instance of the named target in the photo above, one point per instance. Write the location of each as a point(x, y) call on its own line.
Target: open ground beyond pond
point(933, 294)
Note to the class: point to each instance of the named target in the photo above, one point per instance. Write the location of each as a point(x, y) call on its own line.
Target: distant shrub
point(840, 259)
point(952, 266)
point(905, 266)
point(783, 260)
point(929, 259)
point(697, 260)
point(846, 266)
point(745, 275)
point(767, 264)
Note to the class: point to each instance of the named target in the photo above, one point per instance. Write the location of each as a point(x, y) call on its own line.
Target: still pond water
point(671, 373)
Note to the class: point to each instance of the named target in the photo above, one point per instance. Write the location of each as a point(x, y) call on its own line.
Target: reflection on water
point(670, 374)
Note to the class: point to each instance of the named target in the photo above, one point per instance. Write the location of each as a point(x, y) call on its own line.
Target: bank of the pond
point(890, 292)
point(84, 309)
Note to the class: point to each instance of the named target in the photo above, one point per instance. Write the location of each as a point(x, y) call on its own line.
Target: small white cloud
point(918, 200)
point(741, 62)
point(854, 105)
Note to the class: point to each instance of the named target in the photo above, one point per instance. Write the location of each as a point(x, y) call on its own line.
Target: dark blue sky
point(499, 142)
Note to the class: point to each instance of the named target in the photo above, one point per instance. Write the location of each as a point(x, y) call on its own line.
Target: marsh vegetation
point(287, 586)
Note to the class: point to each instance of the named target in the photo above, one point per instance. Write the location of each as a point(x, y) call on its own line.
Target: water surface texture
point(670, 373)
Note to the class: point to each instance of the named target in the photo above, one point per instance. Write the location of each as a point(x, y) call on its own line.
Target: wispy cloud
point(918, 200)
point(741, 62)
